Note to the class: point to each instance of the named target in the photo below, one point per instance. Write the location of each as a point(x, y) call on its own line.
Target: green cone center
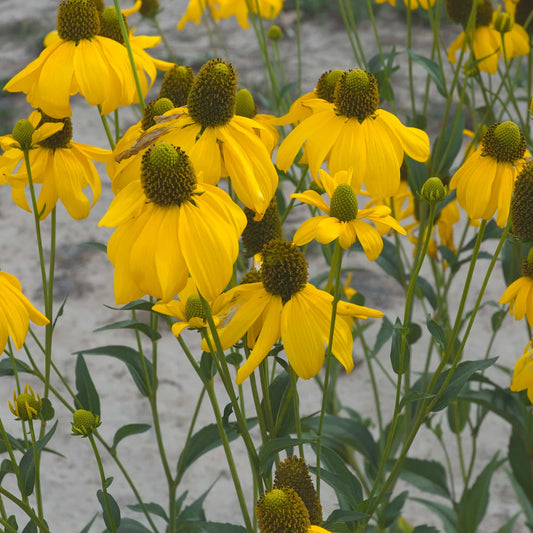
point(357, 94)
point(194, 307)
point(343, 204)
point(504, 142)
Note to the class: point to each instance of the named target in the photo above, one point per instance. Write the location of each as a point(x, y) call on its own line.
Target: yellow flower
point(286, 306)
point(82, 62)
point(354, 133)
point(485, 181)
point(62, 167)
point(84, 422)
point(519, 295)
point(168, 226)
point(413, 4)
point(523, 373)
point(188, 310)
point(221, 9)
point(220, 143)
point(26, 405)
point(343, 220)
point(16, 311)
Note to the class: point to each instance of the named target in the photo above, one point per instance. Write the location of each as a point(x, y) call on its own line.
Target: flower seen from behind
point(519, 295)
point(523, 373)
point(354, 133)
point(16, 311)
point(344, 220)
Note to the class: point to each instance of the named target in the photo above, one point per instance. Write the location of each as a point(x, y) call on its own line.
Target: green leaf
point(113, 508)
point(6, 468)
point(428, 476)
point(474, 501)
point(437, 332)
point(340, 479)
point(151, 333)
point(96, 245)
point(519, 456)
point(205, 440)
point(279, 389)
point(388, 261)
point(271, 448)
point(6, 367)
point(152, 508)
point(128, 525)
point(384, 334)
point(343, 516)
point(393, 509)
point(462, 374)
point(219, 527)
point(137, 305)
point(414, 396)
point(87, 394)
point(89, 524)
point(457, 413)
point(30, 527)
point(132, 359)
point(427, 290)
point(425, 529)
point(432, 69)
point(12, 521)
point(508, 526)
point(523, 498)
point(47, 411)
point(399, 365)
point(452, 141)
point(208, 367)
point(446, 514)
point(126, 431)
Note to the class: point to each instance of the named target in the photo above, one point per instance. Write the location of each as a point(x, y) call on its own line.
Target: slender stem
point(26, 508)
point(166, 44)
point(107, 129)
point(37, 463)
point(12, 458)
point(336, 266)
point(112, 525)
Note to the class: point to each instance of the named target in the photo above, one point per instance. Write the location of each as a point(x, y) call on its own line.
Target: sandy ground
point(85, 275)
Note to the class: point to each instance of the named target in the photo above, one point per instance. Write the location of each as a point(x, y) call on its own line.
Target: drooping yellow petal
point(369, 238)
point(307, 231)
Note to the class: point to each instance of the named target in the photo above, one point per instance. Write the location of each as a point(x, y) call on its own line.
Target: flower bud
point(84, 422)
point(23, 132)
point(433, 190)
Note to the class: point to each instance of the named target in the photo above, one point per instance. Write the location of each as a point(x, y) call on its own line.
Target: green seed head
point(293, 473)
point(245, 105)
point(281, 510)
point(26, 405)
point(503, 22)
point(167, 175)
point(155, 108)
point(343, 204)
point(284, 269)
point(84, 422)
point(504, 142)
point(433, 190)
point(274, 33)
point(357, 94)
point(177, 84)
point(149, 8)
point(325, 87)
point(213, 93)
point(23, 132)
point(194, 308)
point(110, 25)
point(77, 19)
point(522, 204)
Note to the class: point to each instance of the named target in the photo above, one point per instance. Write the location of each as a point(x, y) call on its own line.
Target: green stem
point(166, 44)
point(112, 525)
point(26, 508)
point(107, 129)
point(37, 463)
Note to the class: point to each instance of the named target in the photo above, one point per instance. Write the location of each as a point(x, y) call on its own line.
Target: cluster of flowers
point(177, 232)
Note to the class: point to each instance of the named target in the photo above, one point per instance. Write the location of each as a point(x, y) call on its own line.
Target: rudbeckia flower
point(62, 167)
point(26, 405)
point(344, 220)
point(82, 62)
point(519, 295)
point(523, 373)
point(221, 9)
point(220, 143)
point(288, 307)
point(16, 311)
point(188, 309)
point(170, 226)
point(354, 133)
point(485, 181)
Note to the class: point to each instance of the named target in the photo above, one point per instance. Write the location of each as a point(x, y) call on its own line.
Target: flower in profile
point(286, 306)
point(353, 133)
point(485, 40)
point(188, 309)
point(344, 220)
point(84, 422)
point(62, 167)
point(26, 405)
point(281, 510)
point(485, 181)
point(221, 9)
point(523, 372)
point(145, 64)
point(219, 142)
point(82, 62)
point(519, 295)
point(16, 311)
point(522, 204)
point(169, 225)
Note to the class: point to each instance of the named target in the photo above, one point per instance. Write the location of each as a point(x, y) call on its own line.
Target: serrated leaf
point(428, 476)
point(462, 374)
point(126, 431)
point(432, 69)
point(151, 333)
point(152, 508)
point(87, 394)
point(132, 359)
point(114, 510)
